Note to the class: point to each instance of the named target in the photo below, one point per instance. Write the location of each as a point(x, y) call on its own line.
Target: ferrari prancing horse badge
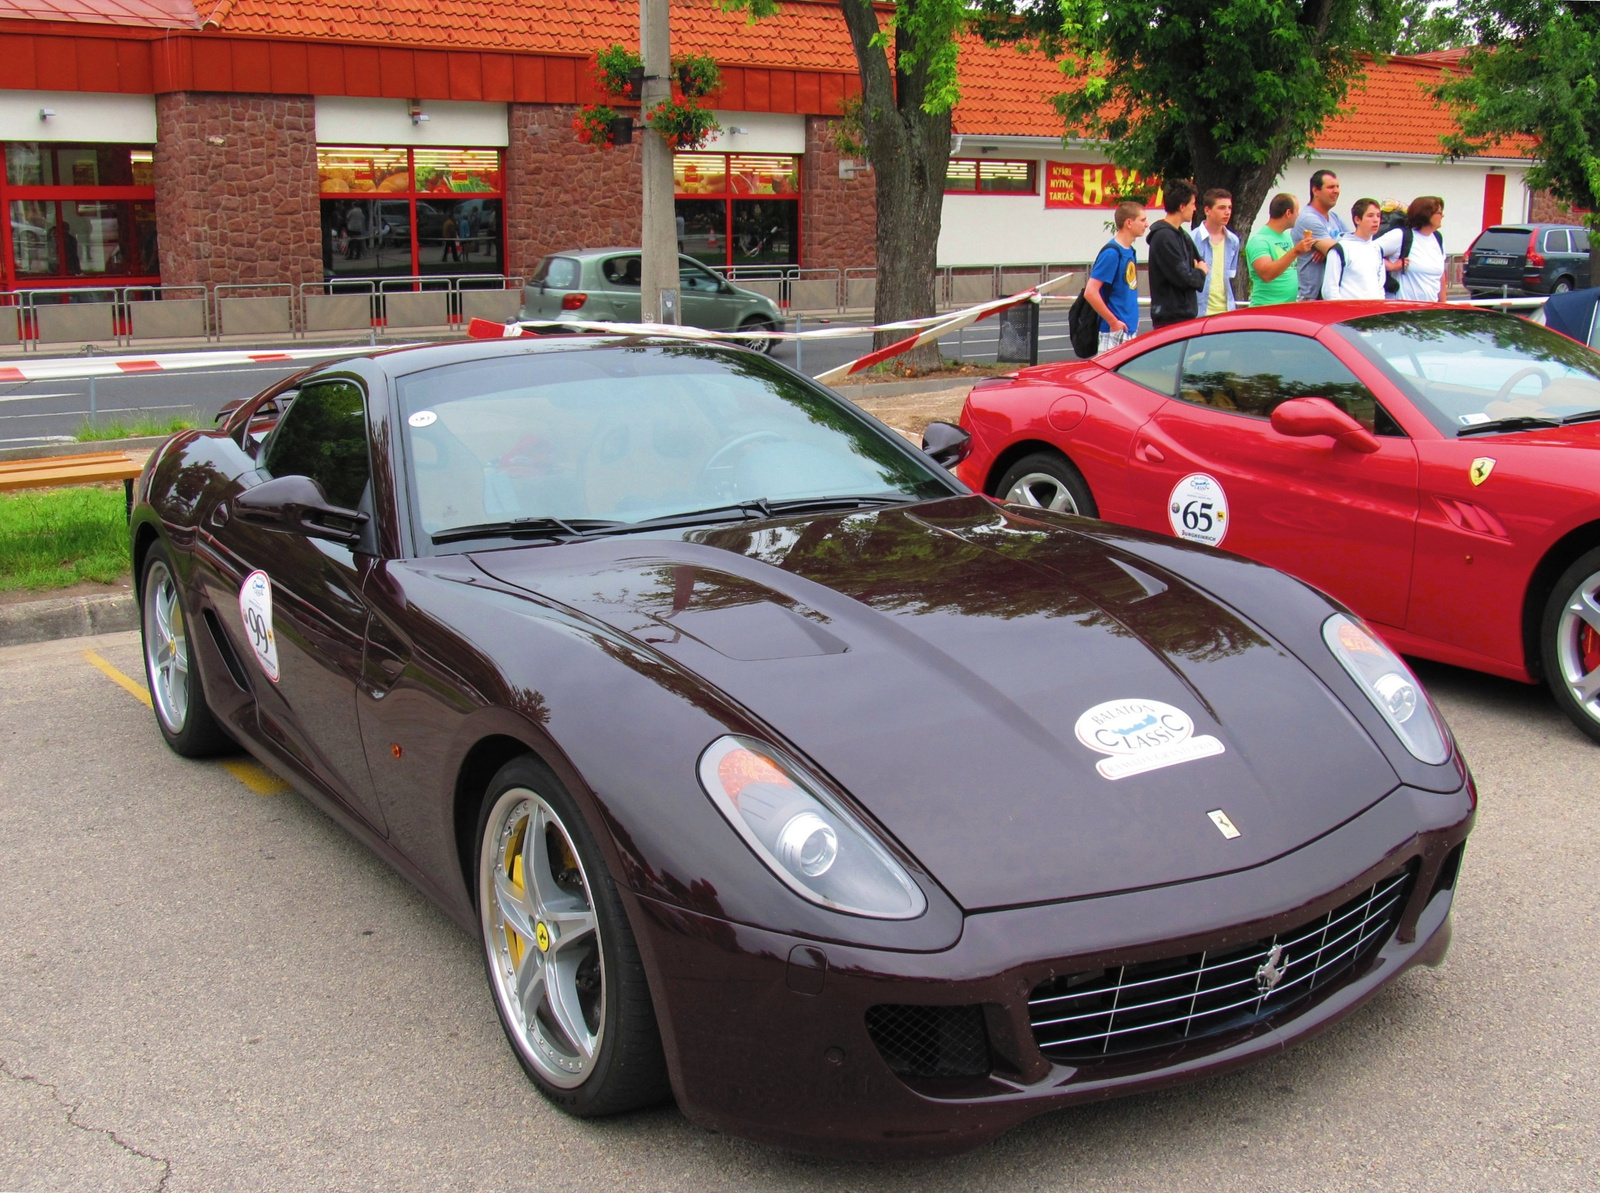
point(1480, 470)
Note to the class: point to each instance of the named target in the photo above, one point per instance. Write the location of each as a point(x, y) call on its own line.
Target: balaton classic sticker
point(1140, 736)
point(255, 607)
point(1198, 510)
point(423, 418)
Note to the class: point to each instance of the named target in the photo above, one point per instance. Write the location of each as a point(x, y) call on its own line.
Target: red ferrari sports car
point(1435, 468)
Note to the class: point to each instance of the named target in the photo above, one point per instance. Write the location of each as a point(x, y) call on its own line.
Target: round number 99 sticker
point(1198, 510)
point(255, 607)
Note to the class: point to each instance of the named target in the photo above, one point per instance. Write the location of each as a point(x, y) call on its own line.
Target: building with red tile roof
point(248, 132)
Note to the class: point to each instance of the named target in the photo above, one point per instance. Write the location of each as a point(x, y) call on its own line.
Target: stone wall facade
point(236, 189)
point(562, 194)
point(839, 216)
point(1545, 208)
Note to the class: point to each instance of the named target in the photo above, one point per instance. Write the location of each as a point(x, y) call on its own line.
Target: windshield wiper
point(1523, 422)
point(760, 507)
point(813, 505)
point(1583, 416)
point(530, 528)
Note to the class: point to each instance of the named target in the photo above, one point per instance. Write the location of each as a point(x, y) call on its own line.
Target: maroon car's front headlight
point(1391, 687)
point(804, 834)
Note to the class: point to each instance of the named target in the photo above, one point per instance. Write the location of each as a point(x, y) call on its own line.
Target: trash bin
point(1019, 335)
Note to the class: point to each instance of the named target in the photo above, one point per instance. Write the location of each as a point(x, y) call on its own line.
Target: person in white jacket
point(1355, 267)
point(1416, 252)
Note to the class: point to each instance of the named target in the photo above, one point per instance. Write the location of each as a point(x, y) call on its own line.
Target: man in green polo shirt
point(1270, 254)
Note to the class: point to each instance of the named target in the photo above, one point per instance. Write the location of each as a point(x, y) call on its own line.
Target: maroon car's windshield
point(1475, 372)
point(629, 434)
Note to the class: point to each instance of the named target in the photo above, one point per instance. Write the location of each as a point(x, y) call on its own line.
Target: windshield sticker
point(1140, 736)
point(255, 607)
point(1198, 510)
point(423, 418)
point(1224, 826)
point(1480, 470)
point(1472, 420)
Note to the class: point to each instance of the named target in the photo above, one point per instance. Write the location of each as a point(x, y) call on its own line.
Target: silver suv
point(603, 284)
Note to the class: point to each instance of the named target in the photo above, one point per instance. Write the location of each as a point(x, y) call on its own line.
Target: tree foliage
point(1222, 91)
point(1535, 73)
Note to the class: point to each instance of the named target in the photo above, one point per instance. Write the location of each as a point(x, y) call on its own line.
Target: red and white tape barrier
point(924, 331)
point(77, 368)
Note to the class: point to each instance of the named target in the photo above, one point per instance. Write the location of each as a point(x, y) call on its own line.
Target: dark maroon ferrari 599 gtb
point(774, 768)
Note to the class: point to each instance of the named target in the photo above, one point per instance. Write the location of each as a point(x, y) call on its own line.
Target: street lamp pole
point(659, 271)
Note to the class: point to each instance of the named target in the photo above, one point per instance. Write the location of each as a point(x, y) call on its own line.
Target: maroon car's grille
point(1159, 1004)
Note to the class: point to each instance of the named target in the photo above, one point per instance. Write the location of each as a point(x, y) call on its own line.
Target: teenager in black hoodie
point(1177, 274)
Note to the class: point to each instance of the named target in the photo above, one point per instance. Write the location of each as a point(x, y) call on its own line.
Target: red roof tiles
point(160, 14)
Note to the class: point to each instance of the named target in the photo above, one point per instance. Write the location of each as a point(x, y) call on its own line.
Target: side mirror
point(1303, 417)
point(297, 505)
point(946, 443)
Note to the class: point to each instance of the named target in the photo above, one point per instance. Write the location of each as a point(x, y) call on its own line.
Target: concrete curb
point(67, 617)
point(896, 389)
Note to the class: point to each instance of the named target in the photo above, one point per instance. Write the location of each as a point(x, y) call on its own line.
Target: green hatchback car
point(603, 284)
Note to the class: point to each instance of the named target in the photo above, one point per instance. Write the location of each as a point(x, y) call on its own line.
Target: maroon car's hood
point(936, 662)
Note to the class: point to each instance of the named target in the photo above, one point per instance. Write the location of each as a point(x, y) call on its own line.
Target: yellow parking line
point(247, 770)
point(119, 678)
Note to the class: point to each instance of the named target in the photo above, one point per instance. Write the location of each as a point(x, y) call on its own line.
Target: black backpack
point(1083, 322)
point(1391, 281)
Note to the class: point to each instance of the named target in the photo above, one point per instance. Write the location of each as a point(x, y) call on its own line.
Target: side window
point(1250, 372)
point(1156, 369)
point(692, 277)
point(1580, 241)
point(1555, 241)
point(622, 271)
point(324, 436)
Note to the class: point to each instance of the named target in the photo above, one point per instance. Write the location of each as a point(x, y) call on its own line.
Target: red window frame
point(977, 176)
point(411, 194)
point(9, 193)
point(728, 195)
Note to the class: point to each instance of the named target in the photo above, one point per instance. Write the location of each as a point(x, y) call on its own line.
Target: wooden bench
point(48, 472)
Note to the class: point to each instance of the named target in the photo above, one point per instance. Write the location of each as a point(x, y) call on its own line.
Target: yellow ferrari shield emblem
point(1480, 470)
point(541, 936)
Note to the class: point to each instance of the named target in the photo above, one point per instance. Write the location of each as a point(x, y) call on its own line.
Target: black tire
point(1562, 286)
point(193, 732)
point(1029, 482)
point(1561, 645)
point(759, 323)
point(628, 1070)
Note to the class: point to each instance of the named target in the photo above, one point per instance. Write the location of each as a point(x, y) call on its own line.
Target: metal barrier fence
point(126, 316)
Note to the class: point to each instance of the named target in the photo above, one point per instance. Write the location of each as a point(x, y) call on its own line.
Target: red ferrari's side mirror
point(1302, 417)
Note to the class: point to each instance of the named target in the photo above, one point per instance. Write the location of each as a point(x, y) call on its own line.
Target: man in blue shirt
point(1326, 227)
point(1113, 286)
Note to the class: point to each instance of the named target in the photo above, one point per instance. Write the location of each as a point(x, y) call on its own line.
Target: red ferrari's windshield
point(1476, 371)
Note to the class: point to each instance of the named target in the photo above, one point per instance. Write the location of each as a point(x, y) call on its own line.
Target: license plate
point(1498, 261)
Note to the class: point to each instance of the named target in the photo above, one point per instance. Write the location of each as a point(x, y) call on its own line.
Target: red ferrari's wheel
point(1570, 643)
point(1045, 480)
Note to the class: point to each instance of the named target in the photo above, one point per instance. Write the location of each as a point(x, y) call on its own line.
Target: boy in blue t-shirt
point(1113, 287)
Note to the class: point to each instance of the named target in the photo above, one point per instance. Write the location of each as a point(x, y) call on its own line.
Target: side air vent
point(225, 649)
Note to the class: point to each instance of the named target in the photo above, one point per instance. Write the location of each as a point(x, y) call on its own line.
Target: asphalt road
point(204, 988)
point(53, 411)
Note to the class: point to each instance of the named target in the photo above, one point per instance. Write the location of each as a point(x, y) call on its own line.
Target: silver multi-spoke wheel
point(1042, 491)
point(166, 648)
point(539, 926)
point(1578, 646)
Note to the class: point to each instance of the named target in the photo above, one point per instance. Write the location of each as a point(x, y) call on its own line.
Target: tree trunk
point(910, 152)
point(1248, 185)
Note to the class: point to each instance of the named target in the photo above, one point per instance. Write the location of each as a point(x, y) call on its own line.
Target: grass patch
point(56, 538)
point(142, 427)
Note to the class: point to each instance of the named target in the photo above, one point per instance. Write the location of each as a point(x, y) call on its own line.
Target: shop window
point(78, 214)
point(969, 175)
point(390, 212)
point(738, 209)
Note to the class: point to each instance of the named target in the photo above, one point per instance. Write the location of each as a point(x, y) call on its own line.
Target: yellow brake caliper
point(514, 942)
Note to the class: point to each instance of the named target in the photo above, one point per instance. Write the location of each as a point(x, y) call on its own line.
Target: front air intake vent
point(1167, 1003)
point(919, 1041)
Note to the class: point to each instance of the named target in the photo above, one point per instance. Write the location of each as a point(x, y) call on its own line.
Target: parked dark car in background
point(1527, 259)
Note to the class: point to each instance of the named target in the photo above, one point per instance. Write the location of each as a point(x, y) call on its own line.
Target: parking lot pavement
point(206, 986)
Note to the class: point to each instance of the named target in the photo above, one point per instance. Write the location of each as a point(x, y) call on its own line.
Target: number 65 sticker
point(1198, 510)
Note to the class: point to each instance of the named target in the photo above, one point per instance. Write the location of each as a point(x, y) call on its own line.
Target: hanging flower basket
point(697, 75)
point(683, 123)
point(620, 71)
point(596, 125)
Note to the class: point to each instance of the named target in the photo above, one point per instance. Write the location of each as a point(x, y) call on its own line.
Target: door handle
point(1151, 453)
